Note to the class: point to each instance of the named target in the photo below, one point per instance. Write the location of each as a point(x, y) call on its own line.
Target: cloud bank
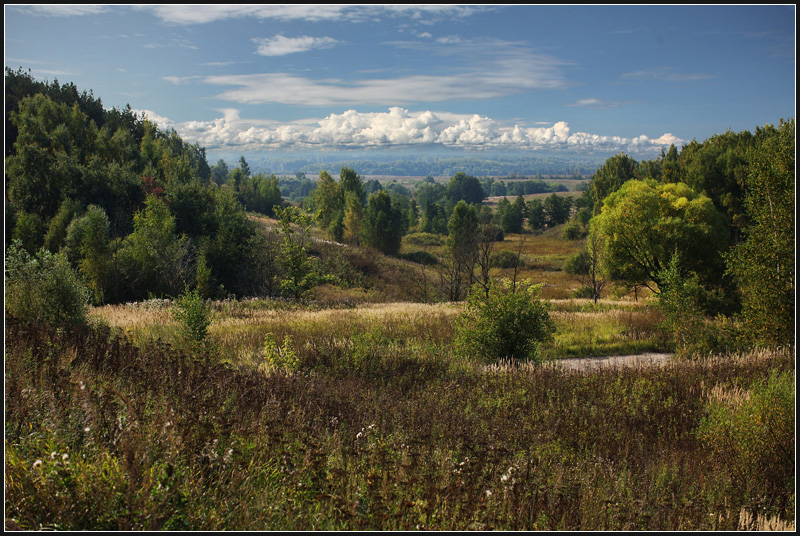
point(398, 127)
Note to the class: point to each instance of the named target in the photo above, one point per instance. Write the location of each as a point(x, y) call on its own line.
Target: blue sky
point(256, 79)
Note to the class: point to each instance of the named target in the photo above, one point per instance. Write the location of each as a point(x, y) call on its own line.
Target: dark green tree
point(382, 224)
point(764, 264)
point(329, 202)
point(556, 209)
point(463, 187)
point(511, 216)
point(536, 215)
point(259, 193)
point(615, 172)
point(350, 181)
point(498, 188)
point(155, 260)
point(219, 173)
point(462, 248)
point(226, 246)
point(717, 168)
point(244, 166)
point(88, 240)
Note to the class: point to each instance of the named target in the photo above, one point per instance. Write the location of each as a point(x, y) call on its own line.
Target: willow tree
point(645, 223)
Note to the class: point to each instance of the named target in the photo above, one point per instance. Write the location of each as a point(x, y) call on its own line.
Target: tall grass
point(371, 432)
point(602, 331)
point(239, 328)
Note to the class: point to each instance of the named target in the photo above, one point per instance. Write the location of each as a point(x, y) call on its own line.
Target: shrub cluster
point(44, 288)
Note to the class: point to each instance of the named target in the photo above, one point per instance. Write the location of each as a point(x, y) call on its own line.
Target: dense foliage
point(43, 288)
point(508, 322)
point(644, 224)
point(135, 208)
point(764, 264)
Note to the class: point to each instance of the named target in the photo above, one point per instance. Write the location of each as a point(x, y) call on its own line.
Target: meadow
point(353, 412)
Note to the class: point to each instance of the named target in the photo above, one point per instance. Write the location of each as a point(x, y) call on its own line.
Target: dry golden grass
point(239, 328)
point(733, 396)
point(760, 523)
point(396, 321)
point(137, 319)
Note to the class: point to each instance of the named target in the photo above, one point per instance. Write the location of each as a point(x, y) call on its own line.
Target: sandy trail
point(590, 363)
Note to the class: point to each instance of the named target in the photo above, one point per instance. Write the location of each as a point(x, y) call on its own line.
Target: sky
point(283, 78)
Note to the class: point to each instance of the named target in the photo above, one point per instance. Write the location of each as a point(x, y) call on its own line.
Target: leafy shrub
point(421, 257)
point(280, 357)
point(508, 323)
point(506, 259)
point(195, 315)
point(44, 288)
point(751, 432)
point(573, 230)
point(684, 301)
point(424, 239)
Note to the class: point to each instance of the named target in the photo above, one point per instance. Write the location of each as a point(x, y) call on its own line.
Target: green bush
point(752, 434)
point(506, 259)
point(44, 288)
point(685, 304)
point(195, 315)
point(280, 357)
point(573, 230)
point(424, 239)
point(508, 322)
point(421, 257)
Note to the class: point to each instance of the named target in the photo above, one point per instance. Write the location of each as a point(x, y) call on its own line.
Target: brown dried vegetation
point(383, 429)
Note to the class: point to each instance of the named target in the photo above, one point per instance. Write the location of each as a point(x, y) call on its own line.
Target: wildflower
point(506, 476)
point(37, 464)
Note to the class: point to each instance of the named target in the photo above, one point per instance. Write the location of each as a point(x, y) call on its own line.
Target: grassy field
point(353, 412)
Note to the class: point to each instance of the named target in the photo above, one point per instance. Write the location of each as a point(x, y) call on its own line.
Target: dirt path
point(590, 363)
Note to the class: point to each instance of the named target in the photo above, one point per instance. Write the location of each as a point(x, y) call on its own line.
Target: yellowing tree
point(645, 223)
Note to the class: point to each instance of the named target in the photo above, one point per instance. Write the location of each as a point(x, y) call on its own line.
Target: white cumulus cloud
point(397, 127)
